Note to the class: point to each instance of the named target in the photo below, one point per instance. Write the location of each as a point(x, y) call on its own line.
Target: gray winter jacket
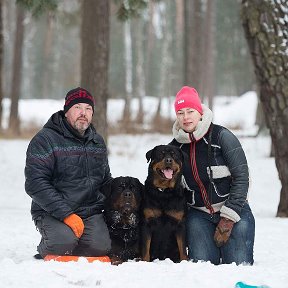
point(227, 189)
point(64, 173)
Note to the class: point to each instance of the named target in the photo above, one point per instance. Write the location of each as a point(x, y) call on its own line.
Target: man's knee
point(61, 242)
point(101, 247)
point(93, 248)
point(96, 240)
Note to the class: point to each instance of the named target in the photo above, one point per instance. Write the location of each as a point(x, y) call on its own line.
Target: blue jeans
point(201, 246)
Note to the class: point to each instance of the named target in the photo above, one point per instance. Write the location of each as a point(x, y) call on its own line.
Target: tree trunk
point(150, 45)
point(47, 55)
point(265, 24)
point(126, 117)
point(208, 76)
point(193, 43)
point(140, 75)
point(260, 119)
point(165, 67)
point(14, 122)
point(1, 62)
point(95, 56)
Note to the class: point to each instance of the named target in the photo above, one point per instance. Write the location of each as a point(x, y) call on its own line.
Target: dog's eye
point(123, 185)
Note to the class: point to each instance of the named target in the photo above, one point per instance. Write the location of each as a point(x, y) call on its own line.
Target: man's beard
point(81, 126)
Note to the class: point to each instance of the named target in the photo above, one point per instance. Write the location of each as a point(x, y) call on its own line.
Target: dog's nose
point(127, 194)
point(168, 160)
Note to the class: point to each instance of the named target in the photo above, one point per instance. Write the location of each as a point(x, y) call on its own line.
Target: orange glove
point(75, 223)
point(223, 231)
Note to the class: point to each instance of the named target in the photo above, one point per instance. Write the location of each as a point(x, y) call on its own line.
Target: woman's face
point(188, 119)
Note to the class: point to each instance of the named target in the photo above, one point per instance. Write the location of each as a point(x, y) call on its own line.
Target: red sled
point(69, 258)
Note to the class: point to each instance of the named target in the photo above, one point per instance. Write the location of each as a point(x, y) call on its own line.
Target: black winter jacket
point(230, 177)
point(64, 173)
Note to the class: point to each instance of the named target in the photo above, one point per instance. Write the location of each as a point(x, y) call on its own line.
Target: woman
point(220, 224)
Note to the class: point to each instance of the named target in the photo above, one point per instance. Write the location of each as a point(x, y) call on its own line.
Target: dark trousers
point(59, 239)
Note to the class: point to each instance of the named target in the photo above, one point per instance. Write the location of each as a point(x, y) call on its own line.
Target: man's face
point(79, 116)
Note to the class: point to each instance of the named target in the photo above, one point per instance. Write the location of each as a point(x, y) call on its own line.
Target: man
point(66, 165)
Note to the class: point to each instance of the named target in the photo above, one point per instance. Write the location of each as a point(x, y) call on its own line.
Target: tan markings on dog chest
point(178, 215)
point(152, 213)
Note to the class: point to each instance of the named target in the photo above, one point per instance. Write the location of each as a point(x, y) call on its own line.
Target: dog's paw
point(184, 257)
point(115, 260)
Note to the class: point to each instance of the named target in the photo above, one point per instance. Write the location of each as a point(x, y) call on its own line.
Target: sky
point(19, 237)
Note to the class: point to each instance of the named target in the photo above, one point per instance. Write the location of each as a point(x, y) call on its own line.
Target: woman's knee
point(239, 248)
point(245, 228)
point(200, 231)
point(199, 226)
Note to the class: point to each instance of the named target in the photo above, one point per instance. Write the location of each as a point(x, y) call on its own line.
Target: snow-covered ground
point(19, 237)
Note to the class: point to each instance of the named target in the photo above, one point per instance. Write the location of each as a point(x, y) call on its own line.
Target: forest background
point(146, 53)
point(134, 48)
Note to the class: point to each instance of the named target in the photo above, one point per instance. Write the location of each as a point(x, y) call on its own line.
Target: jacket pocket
point(220, 171)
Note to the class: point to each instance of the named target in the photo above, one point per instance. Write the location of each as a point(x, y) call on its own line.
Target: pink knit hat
point(188, 97)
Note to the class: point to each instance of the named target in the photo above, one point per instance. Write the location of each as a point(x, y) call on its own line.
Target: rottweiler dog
point(122, 215)
point(164, 206)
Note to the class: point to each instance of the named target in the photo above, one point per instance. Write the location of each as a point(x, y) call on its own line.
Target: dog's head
point(165, 168)
point(123, 199)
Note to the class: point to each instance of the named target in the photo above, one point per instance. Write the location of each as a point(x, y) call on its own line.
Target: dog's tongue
point(168, 173)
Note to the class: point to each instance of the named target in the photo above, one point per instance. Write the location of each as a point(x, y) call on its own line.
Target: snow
point(19, 237)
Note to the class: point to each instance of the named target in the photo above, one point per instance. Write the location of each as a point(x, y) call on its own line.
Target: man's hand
point(223, 231)
point(75, 223)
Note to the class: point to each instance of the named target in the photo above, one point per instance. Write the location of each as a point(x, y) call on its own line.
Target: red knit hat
point(78, 95)
point(188, 97)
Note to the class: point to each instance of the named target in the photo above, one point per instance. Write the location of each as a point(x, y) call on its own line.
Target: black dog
point(164, 206)
point(123, 199)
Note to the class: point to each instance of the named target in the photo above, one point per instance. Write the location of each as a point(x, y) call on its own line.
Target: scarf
point(201, 129)
point(185, 138)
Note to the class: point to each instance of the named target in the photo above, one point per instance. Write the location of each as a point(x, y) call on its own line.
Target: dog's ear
point(149, 154)
point(142, 190)
point(106, 189)
point(141, 187)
